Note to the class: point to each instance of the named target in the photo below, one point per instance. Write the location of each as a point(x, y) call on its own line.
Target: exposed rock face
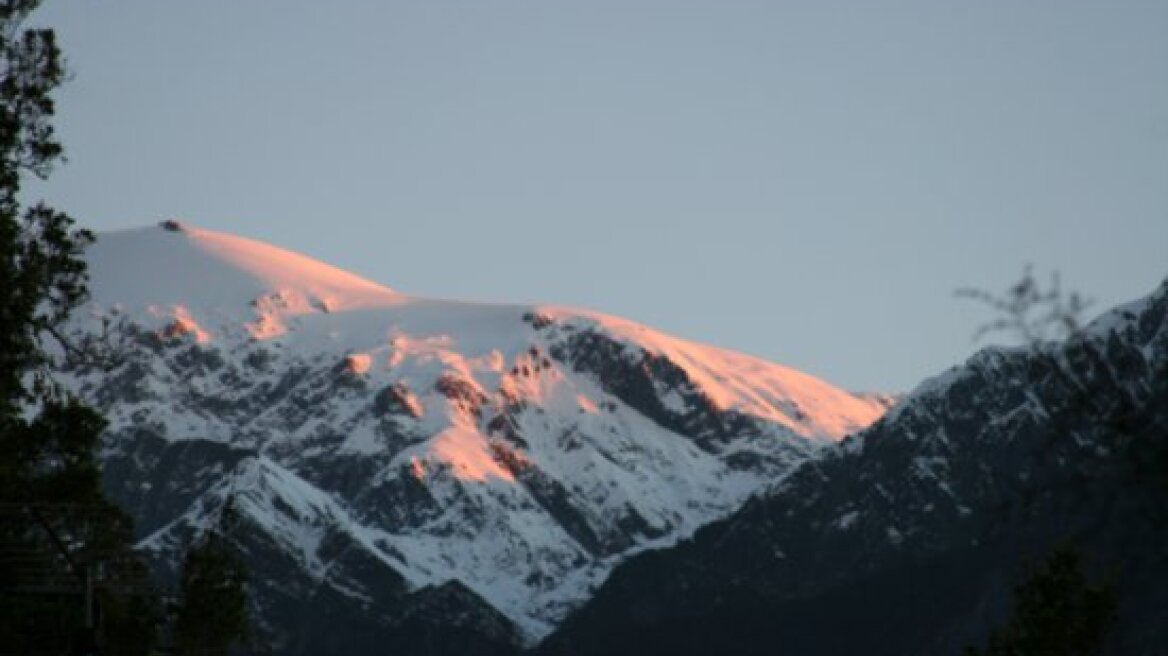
point(644, 381)
point(907, 538)
point(414, 473)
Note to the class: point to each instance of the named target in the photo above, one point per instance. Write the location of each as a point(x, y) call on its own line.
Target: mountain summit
point(417, 470)
point(176, 269)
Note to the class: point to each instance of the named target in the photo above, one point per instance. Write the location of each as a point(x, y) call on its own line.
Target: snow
point(734, 381)
point(1123, 315)
point(207, 270)
point(358, 363)
point(331, 342)
point(895, 537)
point(468, 455)
point(846, 520)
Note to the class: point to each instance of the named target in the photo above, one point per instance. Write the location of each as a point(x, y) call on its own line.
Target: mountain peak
point(520, 450)
point(178, 264)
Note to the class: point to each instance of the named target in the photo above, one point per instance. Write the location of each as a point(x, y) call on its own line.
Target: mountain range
point(908, 537)
point(424, 476)
point(410, 473)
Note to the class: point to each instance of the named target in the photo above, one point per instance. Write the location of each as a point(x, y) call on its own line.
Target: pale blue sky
point(803, 181)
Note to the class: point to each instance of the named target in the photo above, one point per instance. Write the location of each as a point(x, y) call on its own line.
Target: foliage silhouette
point(1029, 311)
point(1056, 613)
point(68, 576)
point(213, 612)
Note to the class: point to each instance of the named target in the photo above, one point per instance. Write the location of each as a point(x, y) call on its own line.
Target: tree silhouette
point(67, 573)
point(1029, 311)
point(1056, 613)
point(212, 614)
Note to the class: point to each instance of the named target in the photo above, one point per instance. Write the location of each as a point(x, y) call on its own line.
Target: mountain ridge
point(933, 509)
point(381, 446)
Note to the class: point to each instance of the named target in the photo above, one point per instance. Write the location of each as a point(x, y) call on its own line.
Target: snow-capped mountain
point(410, 467)
point(906, 538)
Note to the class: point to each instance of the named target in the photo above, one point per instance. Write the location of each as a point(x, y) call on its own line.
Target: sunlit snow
point(449, 368)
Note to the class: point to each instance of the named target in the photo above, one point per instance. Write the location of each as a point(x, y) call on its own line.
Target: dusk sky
point(803, 181)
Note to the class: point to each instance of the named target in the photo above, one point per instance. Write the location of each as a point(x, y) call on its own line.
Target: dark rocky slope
point(908, 538)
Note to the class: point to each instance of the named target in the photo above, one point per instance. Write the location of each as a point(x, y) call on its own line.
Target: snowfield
point(521, 450)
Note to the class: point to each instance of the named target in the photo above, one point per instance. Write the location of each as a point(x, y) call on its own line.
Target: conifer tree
point(212, 614)
point(65, 559)
point(1056, 613)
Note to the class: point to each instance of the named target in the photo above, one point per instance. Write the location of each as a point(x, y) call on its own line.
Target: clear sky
point(803, 181)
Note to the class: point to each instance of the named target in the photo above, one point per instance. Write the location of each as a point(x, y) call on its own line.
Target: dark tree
point(65, 561)
point(212, 615)
point(1029, 311)
point(1056, 613)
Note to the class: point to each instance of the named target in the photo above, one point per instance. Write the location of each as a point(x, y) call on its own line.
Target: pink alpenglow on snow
point(358, 363)
point(201, 283)
point(325, 287)
point(310, 365)
point(182, 324)
point(734, 381)
point(219, 279)
point(468, 455)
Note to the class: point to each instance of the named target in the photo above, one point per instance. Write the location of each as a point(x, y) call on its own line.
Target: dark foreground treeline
point(70, 582)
